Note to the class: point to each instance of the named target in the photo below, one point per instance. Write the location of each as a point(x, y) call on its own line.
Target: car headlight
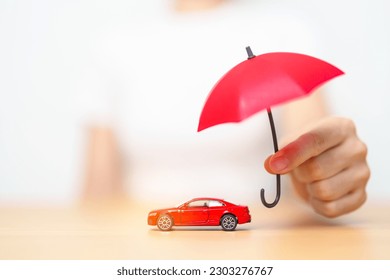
point(152, 214)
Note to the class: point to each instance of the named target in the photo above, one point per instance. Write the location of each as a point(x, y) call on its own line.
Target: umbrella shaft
point(273, 130)
point(262, 193)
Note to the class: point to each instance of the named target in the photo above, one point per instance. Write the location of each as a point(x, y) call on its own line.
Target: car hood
point(164, 210)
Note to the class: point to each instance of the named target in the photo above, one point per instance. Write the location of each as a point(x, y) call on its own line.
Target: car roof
point(207, 198)
point(212, 198)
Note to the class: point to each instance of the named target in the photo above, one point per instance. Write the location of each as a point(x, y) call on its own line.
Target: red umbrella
point(259, 83)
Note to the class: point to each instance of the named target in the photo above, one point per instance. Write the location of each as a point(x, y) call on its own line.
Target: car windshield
point(195, 203)
point(202, 203)
point(198, 203)
point(181, 204)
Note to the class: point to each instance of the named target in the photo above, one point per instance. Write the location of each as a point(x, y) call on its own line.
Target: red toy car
point(201, 212)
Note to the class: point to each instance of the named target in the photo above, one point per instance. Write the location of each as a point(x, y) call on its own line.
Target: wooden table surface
point(118, 230)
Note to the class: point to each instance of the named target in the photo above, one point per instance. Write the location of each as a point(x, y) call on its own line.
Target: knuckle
point(317, 141)
point(300, 175)
point(314, 169)
point(321, 191)
point(363, 197)
point(329, 209)
point(365, 173)
point(359, 200)
point(348, 125)
point(362, 149)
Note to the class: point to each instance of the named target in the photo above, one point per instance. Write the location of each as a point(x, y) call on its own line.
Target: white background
point(45, 53)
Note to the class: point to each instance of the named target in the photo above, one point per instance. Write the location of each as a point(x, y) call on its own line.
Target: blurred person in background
point(135, 75)
point(153, 78)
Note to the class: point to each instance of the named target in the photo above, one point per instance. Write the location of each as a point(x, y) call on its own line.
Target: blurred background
point(102, 98)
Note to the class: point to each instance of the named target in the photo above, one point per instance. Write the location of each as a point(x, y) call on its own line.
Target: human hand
point(327, 165)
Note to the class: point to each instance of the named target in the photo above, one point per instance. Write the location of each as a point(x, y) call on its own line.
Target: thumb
point(292, 155)
point(297, 152)
point(326, 135)
point(277, 164)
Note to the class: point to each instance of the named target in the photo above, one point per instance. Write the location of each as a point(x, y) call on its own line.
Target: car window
point(198, 203)
point(215, 203)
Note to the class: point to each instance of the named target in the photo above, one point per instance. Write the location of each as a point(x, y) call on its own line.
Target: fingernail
point(278, 163)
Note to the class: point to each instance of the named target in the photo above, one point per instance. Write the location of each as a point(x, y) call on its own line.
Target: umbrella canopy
point(259, 83)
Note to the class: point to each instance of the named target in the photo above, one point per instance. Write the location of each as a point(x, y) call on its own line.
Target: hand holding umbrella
point(327, 165)
point(259, 83)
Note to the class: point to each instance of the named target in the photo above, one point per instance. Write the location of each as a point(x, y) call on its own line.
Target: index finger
point(325, 136)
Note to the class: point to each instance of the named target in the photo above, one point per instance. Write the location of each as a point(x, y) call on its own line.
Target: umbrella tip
point(249, 52)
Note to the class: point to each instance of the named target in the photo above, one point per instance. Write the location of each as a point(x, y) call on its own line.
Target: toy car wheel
point(165, 222)
point(228, 222)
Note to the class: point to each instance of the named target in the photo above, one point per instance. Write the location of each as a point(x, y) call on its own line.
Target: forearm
point(103, 176)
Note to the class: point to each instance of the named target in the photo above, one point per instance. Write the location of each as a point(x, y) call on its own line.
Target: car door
point(216, 210)
point(194, 213)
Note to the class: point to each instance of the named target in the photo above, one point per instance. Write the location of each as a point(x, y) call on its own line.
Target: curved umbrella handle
point(275, 140)
point(262, 196)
